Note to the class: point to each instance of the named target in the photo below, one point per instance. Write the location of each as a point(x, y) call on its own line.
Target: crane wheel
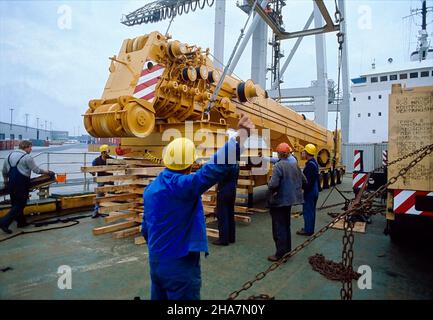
point(332, 177)
point(321, 181)
point(338, 175)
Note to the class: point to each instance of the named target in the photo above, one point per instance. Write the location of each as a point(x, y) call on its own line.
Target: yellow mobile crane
point(156, 84)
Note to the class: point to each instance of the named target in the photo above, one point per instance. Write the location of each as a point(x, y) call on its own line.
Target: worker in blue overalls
point(17, 169)
point(311, 190)
point(225, 208)
point(173, 220)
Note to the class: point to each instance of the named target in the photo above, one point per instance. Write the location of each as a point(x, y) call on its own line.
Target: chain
point(152, 158)
point(347, 259)
point(330, 269)
point(425, 151)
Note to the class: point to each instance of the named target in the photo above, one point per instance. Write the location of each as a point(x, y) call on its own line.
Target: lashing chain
point(346, 291)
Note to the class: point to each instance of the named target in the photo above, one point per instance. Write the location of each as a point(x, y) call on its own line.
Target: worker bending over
point(286, 190)
point(17, 169)
point(311, 190)
point(173, 220)
point(101, 161)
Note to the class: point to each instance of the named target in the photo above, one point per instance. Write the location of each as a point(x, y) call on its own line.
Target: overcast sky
point(51, 66)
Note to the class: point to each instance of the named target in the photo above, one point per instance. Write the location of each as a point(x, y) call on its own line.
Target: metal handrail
point(46, 164)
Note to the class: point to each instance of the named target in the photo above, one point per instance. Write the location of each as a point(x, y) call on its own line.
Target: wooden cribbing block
point(208, 209)
point(241, 218)
point(358, 227)
point(241, 209)
point(245, 182)
point(114, 227)
point(213, 233)
point(113, 206)
point(103, 168)
point(206, 197)
point(150, 171)
point(241, 191)
point(258, 210)
point(139, 240)
point(139, 162)
point(115, 178)
point(123, 187)
point(126, 233)
point(116, 197)
point(244, 173)
point(142, 182)
point(114, 216)
point(210, 218)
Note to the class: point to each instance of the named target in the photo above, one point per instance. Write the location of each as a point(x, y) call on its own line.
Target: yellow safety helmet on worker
point(310, 149)
point(104, 148)
point(179, 154)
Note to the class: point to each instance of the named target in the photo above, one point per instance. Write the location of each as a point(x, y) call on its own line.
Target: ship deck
point(106, 268)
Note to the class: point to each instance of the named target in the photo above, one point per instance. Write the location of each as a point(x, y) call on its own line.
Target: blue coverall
point(18, 188)
point(311, 194)
point(226, 197)
point(174, 225)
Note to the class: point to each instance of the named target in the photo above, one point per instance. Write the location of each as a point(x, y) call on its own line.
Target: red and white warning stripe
point(357, 159)
point(149, 78)
point(404, 202)
point(385, 157)
point(359, 179)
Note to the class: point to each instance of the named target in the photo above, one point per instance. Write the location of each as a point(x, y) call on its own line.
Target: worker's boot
point(6, 229)
point(219, 243)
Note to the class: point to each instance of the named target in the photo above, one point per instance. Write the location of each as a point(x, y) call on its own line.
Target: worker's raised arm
point(220, 164)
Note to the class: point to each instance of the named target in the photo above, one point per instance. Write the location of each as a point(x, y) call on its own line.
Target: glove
point(51, 174)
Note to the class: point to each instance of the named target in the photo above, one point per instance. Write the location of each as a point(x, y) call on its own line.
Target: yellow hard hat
point(310, 149)
point(179, 154)
point(103, 148)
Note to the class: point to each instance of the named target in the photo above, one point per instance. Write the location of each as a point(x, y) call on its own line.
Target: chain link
point(346, 291)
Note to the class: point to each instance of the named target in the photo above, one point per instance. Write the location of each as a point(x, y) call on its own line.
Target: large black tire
point(338, 176)
point(326, 180)
point(394, 229)
point(320, 182)
point(332, 177)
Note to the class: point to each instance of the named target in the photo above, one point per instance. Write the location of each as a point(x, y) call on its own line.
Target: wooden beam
point(241, 218)
point(115, 178)
point(258, 210)
point(213, 233)
point(122, 187)
point(114, 216)
point(116, 197)
point(126, 233)
point(208, 209)
point(241, 209)
point(139, 240)
point(103, 168)
point(241, 191)
point(113, 227)
point(153, 172)
point(115, 207)
point(140, 162)
point(243, 182)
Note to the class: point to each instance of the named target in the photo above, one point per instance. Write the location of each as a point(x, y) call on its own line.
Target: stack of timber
point(123, 200)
